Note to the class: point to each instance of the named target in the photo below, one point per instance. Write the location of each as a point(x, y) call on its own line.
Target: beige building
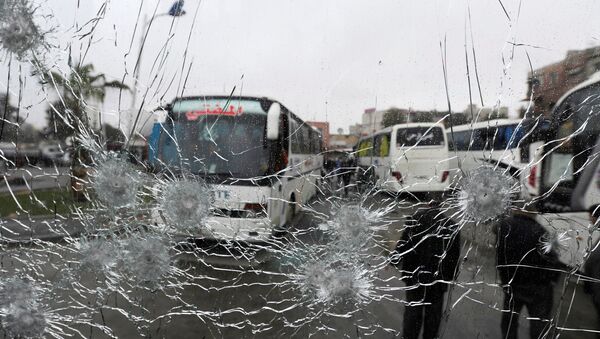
point(547, 84)
point(372, 121)
point(342, 141)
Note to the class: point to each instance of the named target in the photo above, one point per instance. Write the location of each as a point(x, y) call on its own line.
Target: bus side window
point(464, 140)
point(478, 139)
point(503, 137)
point(516, 134)
point(284, 130)
point(497, 139)
point(295, 136)
point(461, 141)
point(315, 141)
point(489, 135)
point(306, 140)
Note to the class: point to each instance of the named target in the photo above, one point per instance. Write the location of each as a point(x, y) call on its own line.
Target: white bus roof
point(594, 78)
point(405, 125)
point(221, 96)
point(487, 123)
point(417, 124)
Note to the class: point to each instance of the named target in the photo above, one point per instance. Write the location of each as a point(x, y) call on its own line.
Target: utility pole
point(175, 11)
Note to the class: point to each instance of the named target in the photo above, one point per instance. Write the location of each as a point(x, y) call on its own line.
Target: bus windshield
point(216, 144)
point(423, 136)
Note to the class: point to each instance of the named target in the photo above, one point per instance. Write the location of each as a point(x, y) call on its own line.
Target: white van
point(411, 157)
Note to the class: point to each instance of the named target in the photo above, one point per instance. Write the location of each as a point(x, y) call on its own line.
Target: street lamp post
point(176, 10)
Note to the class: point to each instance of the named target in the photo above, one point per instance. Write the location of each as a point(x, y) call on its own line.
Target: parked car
point(66, 159)
point(51, 154)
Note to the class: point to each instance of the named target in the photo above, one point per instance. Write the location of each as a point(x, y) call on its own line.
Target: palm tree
point(68, 114)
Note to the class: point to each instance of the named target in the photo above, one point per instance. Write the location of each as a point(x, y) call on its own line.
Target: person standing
point(528, 270)
point(427, 254)
point(347, 171)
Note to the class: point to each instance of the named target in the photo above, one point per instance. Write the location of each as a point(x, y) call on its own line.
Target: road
point(212, 291)
point(34, 178)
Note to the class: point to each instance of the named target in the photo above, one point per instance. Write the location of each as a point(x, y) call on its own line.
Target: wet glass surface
point(274, 169)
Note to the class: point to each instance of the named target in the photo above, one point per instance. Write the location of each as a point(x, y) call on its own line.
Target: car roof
point(486, 123)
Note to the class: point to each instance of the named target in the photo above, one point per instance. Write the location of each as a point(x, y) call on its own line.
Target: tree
point(28, 133)
point(394, 116)
point(7, 110)
point(498, 113)
point(113, 135)
point(68, 114)
point(418, 116)
point(7, 119)
point(13, 128)
point(455, 119)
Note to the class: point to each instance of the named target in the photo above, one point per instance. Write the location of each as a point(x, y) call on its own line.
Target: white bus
point(260, 160)
point(411, 157)
point(494, 142)
point(565, 172)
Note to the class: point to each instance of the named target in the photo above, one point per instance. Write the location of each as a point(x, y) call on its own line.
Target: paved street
point(31, 178)
point(46, 228)
point(260, 293)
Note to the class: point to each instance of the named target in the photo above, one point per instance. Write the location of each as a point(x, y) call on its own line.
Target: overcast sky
point(322, 59)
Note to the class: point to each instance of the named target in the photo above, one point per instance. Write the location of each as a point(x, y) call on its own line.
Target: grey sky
point(350, 54)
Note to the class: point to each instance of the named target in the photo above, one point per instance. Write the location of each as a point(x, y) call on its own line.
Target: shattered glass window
point(275, 169)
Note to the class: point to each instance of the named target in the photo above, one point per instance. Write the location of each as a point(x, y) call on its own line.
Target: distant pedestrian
point(528, 271)
point(592, 264)
point(338, 174)
point(338, 164)
point(347, 170)
point(427, 254)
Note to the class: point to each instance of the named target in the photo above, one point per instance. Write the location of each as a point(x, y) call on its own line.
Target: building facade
point(342, 142)
point(372, 120)
point(547, 84)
